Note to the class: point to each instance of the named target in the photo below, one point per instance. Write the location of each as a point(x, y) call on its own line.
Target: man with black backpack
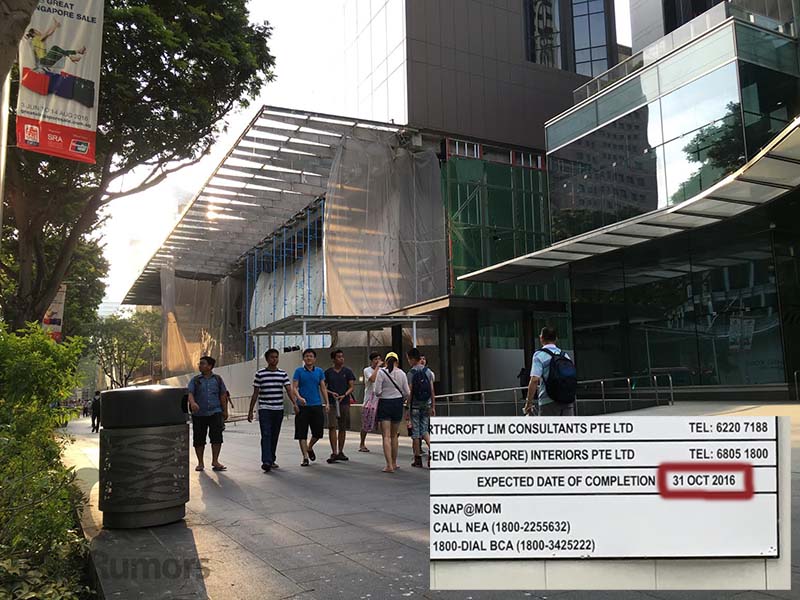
point(421, 405)
point(554, 377)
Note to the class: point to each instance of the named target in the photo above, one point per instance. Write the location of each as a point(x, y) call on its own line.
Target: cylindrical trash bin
point(144, 456)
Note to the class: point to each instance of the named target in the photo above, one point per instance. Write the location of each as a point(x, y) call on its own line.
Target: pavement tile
point(302, 520)
point(261, 535)
point(340, 566)
point(342, 535)
point(306, 556)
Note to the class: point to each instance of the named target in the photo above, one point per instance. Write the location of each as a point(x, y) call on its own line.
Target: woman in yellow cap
point(391, 387)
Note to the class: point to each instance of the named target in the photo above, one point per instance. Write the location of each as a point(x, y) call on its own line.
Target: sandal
point(199, 468)
point(364, 449)
point(311, 454)
point(388, 470)
point(219, 468)
point(305, 463)
point(333, 458)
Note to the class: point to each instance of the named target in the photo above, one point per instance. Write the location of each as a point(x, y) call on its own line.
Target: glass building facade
point(672, 130)
point(716, 306)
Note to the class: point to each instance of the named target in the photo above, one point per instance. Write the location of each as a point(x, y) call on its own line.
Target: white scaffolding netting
point(384, 229)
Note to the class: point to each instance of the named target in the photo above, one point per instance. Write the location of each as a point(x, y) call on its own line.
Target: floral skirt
point(369, 412)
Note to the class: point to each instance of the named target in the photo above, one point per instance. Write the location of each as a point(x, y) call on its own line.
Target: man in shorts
point(422, 404)
point(310, 401)
point(339, 381)
point(208, 401)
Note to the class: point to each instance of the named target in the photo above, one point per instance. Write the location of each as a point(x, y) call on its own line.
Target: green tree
point(172, 70)
point(123, 344)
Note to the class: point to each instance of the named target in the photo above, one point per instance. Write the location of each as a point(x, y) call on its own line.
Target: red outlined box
point(664, 469)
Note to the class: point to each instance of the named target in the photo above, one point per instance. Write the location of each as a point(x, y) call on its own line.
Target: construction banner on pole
point(59, 63)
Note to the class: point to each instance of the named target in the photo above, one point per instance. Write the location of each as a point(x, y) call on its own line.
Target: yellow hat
point(393, 355)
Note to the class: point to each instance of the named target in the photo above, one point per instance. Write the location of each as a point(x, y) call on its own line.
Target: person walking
point(370, 408)
point(310, 404)
point(391, 388)
point(95, 407)
point(208, 402)
point(339, 380)
point(553, 379)
point(268, 386)
point(421, 405)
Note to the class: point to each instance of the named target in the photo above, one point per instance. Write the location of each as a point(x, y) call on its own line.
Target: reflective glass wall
point(672, 131)
point(703, 306)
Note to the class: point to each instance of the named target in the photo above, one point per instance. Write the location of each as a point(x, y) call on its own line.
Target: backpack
point(420, 387)
point(562, 378)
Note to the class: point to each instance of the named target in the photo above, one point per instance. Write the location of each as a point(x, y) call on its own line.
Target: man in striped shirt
point(268, 386)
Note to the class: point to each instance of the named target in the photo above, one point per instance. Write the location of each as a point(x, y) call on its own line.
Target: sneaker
point(341, 456)
point(275, 466)
point(312, 455)
point(305, 463)
point(333, 458)
point(417, 462)
point(266, 468)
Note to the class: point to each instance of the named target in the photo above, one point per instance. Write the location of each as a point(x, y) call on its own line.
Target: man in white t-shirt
point(370, 406)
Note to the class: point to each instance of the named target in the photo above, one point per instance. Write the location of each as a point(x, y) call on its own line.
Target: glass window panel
point(581, 32)
point(654, 123)
point(627, 96)
point(599, 53)
point(597, 23)
point(580, 8)
point(660, 310)
point(571, 126)
point(595, 6)
point(769, 100)
point(766, 49)
point(736, 303)
point(584, 69)
point(700, 102)
point(608, 175)
point(696, 161)
point(599, 67)
point(696, 59)
point(583, 56)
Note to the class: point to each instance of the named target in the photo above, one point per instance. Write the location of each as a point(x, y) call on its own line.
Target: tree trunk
point(15, 16)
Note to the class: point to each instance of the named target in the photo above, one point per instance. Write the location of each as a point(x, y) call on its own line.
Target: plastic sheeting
point(199, 319)
point(384, 231)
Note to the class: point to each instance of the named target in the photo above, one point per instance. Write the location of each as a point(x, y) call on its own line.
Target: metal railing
point(629, 390)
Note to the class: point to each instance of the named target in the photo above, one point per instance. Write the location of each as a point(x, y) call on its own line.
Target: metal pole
point(5, 102)
point(414, 334)
point(483, 403)
point(305, 336)
point(603, 394)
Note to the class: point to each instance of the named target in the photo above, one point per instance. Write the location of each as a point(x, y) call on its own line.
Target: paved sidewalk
point(328, 531)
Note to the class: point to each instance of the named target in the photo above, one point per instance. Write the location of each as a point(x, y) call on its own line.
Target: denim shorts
point(420, 422)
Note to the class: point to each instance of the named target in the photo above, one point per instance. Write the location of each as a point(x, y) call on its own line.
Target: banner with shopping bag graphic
point(59, 64)
point(53, 319)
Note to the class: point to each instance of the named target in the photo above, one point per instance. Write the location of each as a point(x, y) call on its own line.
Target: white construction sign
point(604, 487)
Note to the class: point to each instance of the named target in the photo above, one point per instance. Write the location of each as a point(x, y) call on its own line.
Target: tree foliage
point(171, 71)
point(40, 548)
point(123, 344)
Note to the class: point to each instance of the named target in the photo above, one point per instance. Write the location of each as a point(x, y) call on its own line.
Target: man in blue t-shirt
point(208, 401)
point(539, 370)
point(310, 404)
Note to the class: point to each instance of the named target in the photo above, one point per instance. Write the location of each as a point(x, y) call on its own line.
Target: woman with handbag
point(391, 388)
point(370, 409)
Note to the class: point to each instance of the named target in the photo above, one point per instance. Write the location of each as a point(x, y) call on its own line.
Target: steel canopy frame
point(306, 325)
point(277, 168)
point(773, 172)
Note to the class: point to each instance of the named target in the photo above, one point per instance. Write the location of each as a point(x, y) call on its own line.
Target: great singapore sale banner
point(59, 60)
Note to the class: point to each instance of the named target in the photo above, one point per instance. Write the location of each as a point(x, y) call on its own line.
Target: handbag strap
point(389, 375)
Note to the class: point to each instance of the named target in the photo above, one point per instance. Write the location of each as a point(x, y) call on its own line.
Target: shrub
point(41, 551)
